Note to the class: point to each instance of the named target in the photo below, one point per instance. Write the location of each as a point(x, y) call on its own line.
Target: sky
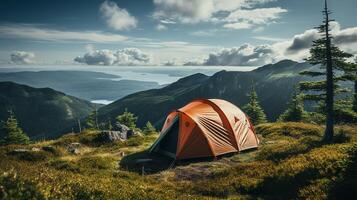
point(167, 32)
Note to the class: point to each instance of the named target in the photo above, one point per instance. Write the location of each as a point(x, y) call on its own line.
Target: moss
point(13, 186)
point(135, 141)
point(32, 156)
point(289, 129)
point(96, 162)
point(63, 165)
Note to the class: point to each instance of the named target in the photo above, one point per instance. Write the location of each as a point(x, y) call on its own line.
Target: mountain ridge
point(42, 112)
point(153, 105)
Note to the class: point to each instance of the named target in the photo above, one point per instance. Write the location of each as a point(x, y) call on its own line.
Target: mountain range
point(44, 112)
point(274, 84)
point(83, 84)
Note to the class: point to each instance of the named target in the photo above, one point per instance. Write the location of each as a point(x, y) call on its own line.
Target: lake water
point(160, 74)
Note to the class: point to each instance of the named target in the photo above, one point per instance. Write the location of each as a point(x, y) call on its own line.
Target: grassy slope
point(290, 163)
point(41, 112)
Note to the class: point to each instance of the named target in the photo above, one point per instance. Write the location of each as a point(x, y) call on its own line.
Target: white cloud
point(303, 41)
point(22, 57)
point(117, 18)
point(346, 39)
point(126, 56)
point(245, 55)
point(161, 27)
point(167, 21)
point(236, 14)
point(255, 16)
point(185, 11)
point(28, 31)
point(238, 25)
point(296, 48)
point(270, 39)
point(208, 32)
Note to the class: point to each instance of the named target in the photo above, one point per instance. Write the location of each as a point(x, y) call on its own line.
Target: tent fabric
point(206, 128)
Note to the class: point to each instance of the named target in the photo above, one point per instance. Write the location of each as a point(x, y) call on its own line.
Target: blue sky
point(146, 32)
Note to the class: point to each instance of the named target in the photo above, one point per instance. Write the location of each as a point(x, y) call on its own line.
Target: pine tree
point(13, 132)
point(149, 129)
point(330, 58)
point(91, 121)
point(128, 119)
point(253, 109)
point(295, 111)
point(350, 74)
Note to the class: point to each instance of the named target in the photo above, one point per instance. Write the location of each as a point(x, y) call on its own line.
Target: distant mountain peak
point(192, 79)
point(283, 64)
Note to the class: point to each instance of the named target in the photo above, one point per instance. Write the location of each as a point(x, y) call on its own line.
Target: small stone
point(35, 149)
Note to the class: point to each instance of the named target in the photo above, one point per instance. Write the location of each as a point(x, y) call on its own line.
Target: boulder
point(111, 136)
point(74, 148)
point(119, 132)
point(121, 128)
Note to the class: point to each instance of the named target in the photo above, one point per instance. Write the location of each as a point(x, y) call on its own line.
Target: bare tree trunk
point(79, 125)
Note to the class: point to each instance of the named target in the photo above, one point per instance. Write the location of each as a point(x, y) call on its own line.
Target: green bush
point(63, 165)
point(13, 187)
point(32, 156)
point(81, 192)
point(53, 150)
point(96, 162)
point(135, 141)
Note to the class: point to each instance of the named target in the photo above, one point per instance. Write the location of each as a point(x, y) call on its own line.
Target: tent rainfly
point(205, 128)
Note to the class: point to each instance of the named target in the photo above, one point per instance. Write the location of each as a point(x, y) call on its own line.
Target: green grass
point(290, 163)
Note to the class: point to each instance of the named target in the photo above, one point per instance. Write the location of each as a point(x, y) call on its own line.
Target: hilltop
point(42, 112)
point(290, 163)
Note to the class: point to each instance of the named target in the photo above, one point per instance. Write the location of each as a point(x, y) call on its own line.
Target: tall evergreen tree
point(128, 119)
point(295, 111)
point(253, 109)
point(13, 132)
point(330, 58)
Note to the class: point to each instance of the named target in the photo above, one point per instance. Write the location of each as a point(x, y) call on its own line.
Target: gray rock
point(121, 127)
point(35, 149)
point(111, 136)
point(119, 132)
point(74, 148)
point(18, 151)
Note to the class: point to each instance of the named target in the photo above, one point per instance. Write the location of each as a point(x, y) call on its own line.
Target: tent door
point(167, 142)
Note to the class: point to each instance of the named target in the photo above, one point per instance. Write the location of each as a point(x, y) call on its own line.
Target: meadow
point(290, 163)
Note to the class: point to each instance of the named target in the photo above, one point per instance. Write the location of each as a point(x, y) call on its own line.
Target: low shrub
point(53, 150)
point(289, 129)
point(14, 187)
point(341, 137)
point(63, 165)
point(32, 156)
point(135, 141)
point(96, 162)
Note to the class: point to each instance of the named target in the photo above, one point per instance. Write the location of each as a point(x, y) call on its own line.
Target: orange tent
point(205, 128)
